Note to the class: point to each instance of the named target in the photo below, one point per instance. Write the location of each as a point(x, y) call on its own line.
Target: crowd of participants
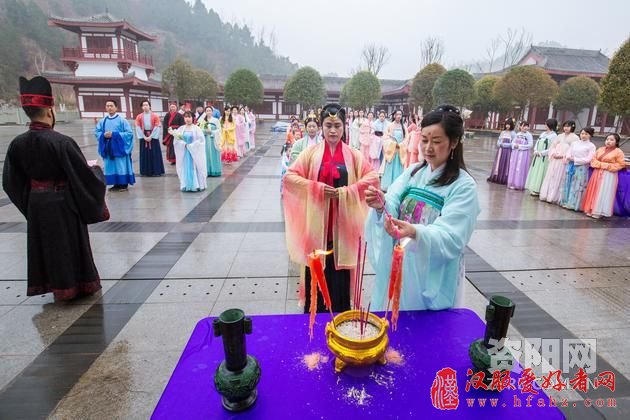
point(390, 143)
point(197, 142)
point(564, 169)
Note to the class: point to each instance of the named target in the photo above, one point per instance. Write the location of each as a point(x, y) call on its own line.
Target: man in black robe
point(174, 120)
point(48, 179)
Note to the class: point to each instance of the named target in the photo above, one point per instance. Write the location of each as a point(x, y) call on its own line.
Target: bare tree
point(374, 57)
point(491, 52)
point(272, 41)
point(261, 36)
point(40, 61)
point(515, 43)
point(431, 51)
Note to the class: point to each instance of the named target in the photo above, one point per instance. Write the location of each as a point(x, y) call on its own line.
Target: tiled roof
point(333, 84)
point(98, 18)
point(572, 60)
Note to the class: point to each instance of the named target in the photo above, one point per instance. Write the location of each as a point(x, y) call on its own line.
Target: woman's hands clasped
point(330, 192)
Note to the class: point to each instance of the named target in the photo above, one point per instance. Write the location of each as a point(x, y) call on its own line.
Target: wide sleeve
point(197, 148)
point(99, 133)
point(15, 183)
point(550, 141)
point(568, 154)
point(530, 142)
point(155, 133)
point(139, 131)
point(85, 185)
point(165, 126)
point(446, 238)
point(297, 148)
point(305, 207)
point(179, 146)
point(380, 244)
point(596, 163)
point(127, 135)
point(618, 162)
point(217, 135)
point(389, 145)
point(587, 158)
point(353, 209)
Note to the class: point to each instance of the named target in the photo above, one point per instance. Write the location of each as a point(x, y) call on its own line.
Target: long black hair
point(401, 121)
point(230, 119)
point(449, 118)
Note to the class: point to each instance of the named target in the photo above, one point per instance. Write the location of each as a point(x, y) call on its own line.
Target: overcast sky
point(329, 35)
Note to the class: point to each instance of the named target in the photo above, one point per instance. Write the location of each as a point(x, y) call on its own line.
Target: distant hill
point(189, 31)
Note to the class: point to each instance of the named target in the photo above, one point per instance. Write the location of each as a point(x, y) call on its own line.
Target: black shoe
point(114, 188)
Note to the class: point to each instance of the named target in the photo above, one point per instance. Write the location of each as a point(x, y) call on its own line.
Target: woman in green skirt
point(211, 128)
point(538, 167)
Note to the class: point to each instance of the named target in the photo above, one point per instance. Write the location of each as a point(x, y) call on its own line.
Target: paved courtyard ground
point(168, 259)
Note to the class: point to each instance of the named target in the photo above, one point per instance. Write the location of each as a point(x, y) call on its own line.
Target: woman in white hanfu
point(190, 152)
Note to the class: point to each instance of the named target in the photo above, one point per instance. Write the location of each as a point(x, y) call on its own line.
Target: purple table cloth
point(622, 199)
point(428, 342)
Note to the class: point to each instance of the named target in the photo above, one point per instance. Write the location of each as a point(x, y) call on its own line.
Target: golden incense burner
point(361, 351)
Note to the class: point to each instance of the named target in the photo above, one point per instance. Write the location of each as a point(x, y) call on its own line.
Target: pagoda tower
point(106, 64)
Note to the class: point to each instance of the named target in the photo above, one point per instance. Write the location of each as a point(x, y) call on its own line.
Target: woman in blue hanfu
point(211, 128)
point(190, 154)
point(433, 207)
point(394, 151)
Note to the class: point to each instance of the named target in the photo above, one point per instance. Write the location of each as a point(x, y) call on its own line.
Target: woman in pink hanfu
point(241, 127)
point(551, 188)
point(414, 154)
point(324, 194)
point(366, 133)
point(252, 127)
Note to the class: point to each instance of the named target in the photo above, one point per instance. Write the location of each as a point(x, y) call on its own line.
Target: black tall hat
point(36, 92)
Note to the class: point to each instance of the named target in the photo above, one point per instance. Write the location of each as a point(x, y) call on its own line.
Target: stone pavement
point(169, 258)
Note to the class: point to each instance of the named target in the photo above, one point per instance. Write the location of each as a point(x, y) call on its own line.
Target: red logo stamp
point(444, 393)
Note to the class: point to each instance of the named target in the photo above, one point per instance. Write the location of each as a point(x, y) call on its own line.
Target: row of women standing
point(194, 145)
point(333, 199)
point(389, 146)
point(560, 167)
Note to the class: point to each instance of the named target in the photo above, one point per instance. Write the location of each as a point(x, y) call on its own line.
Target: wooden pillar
point(532, 118)
point(593, 116)
point(76, 98)
point(603, 124)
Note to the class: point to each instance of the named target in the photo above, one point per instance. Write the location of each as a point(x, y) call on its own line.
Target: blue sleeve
point(116, 146)
point(99, 132)
point(448, 235)
point(126, 135)
point(100, 129)
point(380, 245)
point(438, 247)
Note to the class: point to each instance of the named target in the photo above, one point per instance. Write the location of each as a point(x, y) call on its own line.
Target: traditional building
point(561, 64)
point(106, 64)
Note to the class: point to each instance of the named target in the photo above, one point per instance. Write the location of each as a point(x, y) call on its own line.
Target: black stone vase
point(484, 352)
point(237, 376)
